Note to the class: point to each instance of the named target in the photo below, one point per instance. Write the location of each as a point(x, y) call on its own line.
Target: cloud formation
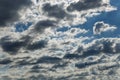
point(55, 43)
point(54, 11)
point(85, 5)
point(11, 46)
point(100, 27)
point(42, 25)
point(9, 10)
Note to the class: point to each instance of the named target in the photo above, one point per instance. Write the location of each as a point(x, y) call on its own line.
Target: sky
point(59, 39)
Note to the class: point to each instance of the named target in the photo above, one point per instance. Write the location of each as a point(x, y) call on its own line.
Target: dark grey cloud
point(117, 47)
point(42, 25)
point(84, 5)
point(23, 62)
point(11, 47)
point(80, 49)
point(48, 59)
point(60, 65)
point(85, 64)
point(29, 45)
point(107, 47)
point(36, 69)
point(9, 10)
point(100, 46)
point(26, 38)
point(71, 56)
point(5, 61)
point(90, 52)
point(54, 11)
point(37, 45)
point(107, 67)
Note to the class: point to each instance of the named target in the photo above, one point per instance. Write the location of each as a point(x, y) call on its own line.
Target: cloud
point(100, 27)
point(107, 67)
point(9, 10)
point(5, 61)
point(54, 11)
point(117, 47)
point(71, 56)
point(85, 5)
point(12, 46)
point(42, 25)
point(85, 64)
point(99, 46)
point(42, 51)
point(36, 67)
point(59, 65)
point(48, 59)
point(37, 45)
point(9, 46)
point(42, 10)
point(23, 62)
point(57, 10)
point(90, 52)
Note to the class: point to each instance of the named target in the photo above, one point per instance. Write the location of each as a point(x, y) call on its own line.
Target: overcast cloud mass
point(59, 39)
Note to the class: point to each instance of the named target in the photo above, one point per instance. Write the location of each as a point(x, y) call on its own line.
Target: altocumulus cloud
point(43, 52)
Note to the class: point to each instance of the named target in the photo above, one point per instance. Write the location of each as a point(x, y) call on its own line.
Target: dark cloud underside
point(84, 5)
point(5, 61)
point(54, 11)
point(12, 47)
point(85, 64)
point(48, 59)
point(42, 25)
point(37, 45)
point(100, 46)
point(9, 10)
